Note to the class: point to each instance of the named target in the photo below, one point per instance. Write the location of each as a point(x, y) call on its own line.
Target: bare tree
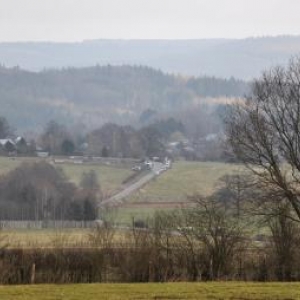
point(284, 242)
point(5, 129)
point(264, 132)
point(188, 249)
point(54, 136)
point(234, 190)
point(219, 233)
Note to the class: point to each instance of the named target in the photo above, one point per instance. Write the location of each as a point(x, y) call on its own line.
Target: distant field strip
point(185, 178)
point(45, 238)
point(191, 291)
point(110, 177)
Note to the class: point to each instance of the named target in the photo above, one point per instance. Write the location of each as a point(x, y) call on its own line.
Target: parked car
point(136, 168)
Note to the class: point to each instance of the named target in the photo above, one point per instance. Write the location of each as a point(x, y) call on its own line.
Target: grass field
point(7, 164)
point(110, 178)
point(125, 215)
point(184, 179)
point(201, 291)
point(34, 238)
point(187, 178)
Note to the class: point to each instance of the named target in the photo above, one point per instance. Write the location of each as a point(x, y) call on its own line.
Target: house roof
point(3, 142)
point(19, 139)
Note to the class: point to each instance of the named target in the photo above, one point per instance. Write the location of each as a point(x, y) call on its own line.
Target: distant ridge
point(241, 58)
point(97, 95)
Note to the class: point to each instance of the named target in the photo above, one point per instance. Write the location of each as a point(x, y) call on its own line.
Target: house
point(7, 146)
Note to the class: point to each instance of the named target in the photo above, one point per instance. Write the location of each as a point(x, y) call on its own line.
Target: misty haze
point(149, 142)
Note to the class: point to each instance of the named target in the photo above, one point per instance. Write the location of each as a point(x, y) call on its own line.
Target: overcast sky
point(76, 20)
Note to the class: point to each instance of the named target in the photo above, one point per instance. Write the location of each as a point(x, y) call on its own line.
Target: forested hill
point(95, 95)
point(241, 58)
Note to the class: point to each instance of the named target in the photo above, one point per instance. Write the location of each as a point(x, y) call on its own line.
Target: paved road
point(119, 198)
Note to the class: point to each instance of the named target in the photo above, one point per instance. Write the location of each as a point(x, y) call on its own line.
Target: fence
point(47, 224)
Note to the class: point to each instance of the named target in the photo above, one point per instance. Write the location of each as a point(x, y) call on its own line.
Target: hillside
point(96, 95)
point(241, 58)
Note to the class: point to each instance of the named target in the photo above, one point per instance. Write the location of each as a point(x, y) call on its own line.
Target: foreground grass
point(220, 290)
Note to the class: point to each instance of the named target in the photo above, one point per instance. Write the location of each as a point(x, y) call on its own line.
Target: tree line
point(39, 191)
point(102, 94)
point(186, 133)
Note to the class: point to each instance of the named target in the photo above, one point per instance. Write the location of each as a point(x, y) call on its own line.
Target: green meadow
point(187, 178)
point(200, 291)
point(110, 177)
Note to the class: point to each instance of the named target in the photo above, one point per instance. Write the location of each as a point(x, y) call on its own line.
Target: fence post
point(32, 275)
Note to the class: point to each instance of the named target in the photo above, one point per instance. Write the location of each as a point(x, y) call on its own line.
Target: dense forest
point(96, 95)
point(242, 58)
